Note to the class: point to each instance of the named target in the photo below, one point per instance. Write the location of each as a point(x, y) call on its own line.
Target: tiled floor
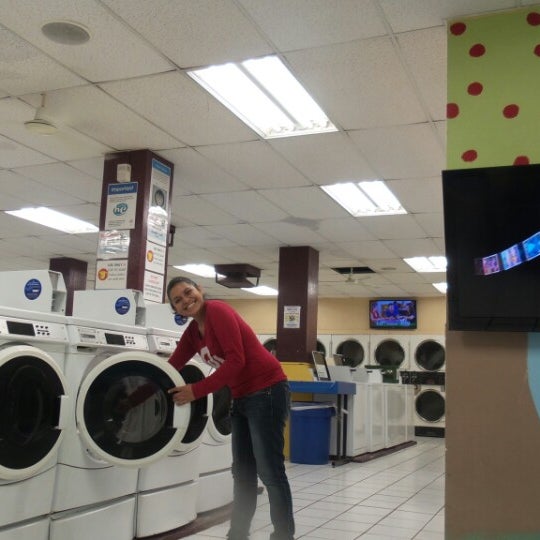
point(396, 496)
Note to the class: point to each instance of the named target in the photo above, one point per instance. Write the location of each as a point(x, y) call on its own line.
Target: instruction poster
point(121, 205)
point(291, 316)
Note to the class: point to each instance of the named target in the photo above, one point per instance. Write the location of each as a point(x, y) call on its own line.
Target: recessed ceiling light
point(203, 270)
point(66, 32)
point(262, 290)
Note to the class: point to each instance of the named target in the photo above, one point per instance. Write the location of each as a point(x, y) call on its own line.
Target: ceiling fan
point(40, 124)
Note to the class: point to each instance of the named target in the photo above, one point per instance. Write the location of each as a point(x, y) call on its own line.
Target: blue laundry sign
point(122, 305)
point(32, 289)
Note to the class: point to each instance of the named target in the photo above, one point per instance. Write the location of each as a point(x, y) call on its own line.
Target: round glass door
point(352, 352)
point(389, 353)
point(430, 355)
point(124, 412)
point(32, 388)
point(430, 406)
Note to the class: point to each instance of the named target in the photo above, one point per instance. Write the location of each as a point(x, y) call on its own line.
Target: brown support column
point(74, 272)
point(134, 223)
point(297, 303)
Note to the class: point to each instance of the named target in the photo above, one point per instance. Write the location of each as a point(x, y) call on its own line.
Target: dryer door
point(33, 406)
point(125, 415)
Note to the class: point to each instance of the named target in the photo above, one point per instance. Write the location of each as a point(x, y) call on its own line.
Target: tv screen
point(492, 236)
point(393, 314)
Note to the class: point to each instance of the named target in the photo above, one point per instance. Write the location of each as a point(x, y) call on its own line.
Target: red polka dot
point(469, 155)
point(537, 50)
point(511, 111)
point(533, 18)
point(475, 89)
point(477, 50)
point(458, 28)
point(452, 110)
point(521, 160)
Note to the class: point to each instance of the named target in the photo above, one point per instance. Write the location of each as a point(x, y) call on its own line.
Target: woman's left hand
point(182, 394)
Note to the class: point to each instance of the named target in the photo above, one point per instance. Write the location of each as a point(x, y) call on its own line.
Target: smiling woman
point(261, 401)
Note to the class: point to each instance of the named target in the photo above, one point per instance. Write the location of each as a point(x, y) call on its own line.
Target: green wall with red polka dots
point(493, 109)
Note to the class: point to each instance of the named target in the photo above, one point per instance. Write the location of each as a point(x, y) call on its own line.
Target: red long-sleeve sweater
point(229, 345)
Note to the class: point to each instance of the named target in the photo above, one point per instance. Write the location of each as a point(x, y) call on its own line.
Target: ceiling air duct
point(235, 276)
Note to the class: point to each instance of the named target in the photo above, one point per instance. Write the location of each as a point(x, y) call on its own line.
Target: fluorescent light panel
point(367, 198)
point(427, 264)
point(202, 270)
point(54, 220)
point(265, 95)
point(441, 287)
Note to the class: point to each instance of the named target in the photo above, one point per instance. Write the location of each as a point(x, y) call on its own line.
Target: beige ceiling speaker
point(41, 125)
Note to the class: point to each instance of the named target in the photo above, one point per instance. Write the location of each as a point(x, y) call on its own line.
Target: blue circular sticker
point(180, 320)
point(32, 289)
point(122, 305)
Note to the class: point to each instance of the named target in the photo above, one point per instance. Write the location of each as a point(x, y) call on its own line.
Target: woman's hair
point(175, 281)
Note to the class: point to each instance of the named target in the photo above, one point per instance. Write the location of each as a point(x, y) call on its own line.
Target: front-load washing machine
point(428, 353)
point(174, 477)
point(354, 350)
point(34, 408)
point(391, 352)
point(124, 419)
point(215, 476)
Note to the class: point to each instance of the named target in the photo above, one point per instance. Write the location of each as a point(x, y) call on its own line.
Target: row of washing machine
point(91, 445)
point(424, 356)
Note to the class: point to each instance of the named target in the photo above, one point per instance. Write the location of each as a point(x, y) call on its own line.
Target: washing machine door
point(201, 410)
point(33, 411)
point(430, 355)
point(430, 405)
point(219, 427)
point(352, 352)
point(125, 415)
point(389, 353)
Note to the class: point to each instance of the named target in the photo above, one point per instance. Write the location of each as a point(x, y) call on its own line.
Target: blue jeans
point(258, 422)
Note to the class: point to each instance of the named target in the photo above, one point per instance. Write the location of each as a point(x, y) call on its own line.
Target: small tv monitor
point(393, 314)
point(320, 366)
point(492, 238)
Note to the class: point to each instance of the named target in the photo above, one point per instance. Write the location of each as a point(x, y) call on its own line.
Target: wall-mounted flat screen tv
point(393, 314)
point(492, 237)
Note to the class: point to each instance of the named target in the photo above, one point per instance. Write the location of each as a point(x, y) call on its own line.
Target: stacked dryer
point(391, 353)
point(123, 417)
point(174, 478)
point(428, 367)
point(354, 350)
point(34, 403)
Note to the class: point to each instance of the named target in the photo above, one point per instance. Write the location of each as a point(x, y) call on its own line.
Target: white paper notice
point(121, 206)
point(153, 287)
point(111, 274)
point(291, 316)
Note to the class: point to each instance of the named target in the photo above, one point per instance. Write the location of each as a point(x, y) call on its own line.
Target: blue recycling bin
point(310, 432)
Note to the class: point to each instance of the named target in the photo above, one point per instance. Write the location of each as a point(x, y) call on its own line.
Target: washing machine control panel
point(99, 337)
point(39, 330)
point(162, 344)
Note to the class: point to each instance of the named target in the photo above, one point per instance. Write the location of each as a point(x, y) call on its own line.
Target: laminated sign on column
point(121, 206)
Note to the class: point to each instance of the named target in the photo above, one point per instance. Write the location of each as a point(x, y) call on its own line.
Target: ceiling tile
point(114, 51)
point(256, 164)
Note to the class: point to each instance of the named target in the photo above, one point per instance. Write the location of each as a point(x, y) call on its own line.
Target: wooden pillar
point(74, 272)
point(297, 303)
point(135, 223)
